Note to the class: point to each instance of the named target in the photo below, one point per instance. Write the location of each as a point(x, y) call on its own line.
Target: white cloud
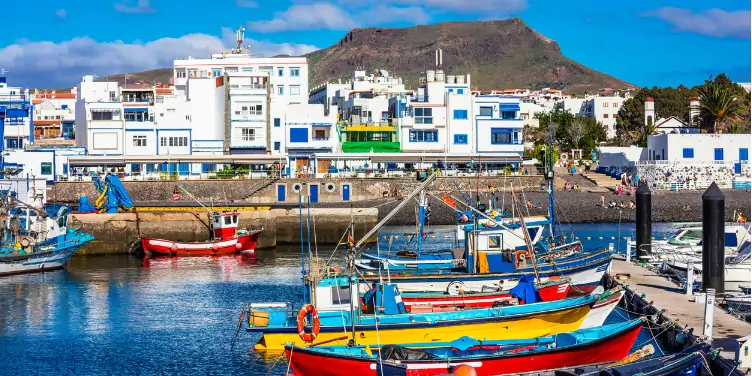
point(493, 7)
point(246, 3)
point(49, 64)
point(306, 17)
point(142, 6)
point(382, 14)
point(713, 22)
point(61, 14)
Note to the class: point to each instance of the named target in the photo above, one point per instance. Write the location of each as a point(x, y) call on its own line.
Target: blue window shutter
point(277, 122)
point(719, 154)
point(460, 91)
point(451, 90)
point(743, 154)
point(688, 153)
point(298, 134)
point(276, 146)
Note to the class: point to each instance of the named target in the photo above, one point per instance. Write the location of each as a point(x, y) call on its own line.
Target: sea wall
point(120, 233)
point(260, 191)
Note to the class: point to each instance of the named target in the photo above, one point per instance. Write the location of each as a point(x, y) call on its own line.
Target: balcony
point(320, 138)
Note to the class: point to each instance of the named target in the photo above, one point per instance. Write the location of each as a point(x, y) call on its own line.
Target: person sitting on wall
point(740, 218)
point(576, 187)
point(603, 201)
point(612, 204)
point(632, 204)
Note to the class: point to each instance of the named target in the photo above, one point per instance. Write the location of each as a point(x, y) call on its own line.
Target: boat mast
point(302, 246)
point(421, 219)
point(550, 179)
point(528, 241)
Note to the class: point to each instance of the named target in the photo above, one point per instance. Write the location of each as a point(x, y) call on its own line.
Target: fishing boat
point(688, 362)
point(486, 357)
point(225, 239)
point(458, 299)
point(335, 318)
point(36, 242)
point(737, 268)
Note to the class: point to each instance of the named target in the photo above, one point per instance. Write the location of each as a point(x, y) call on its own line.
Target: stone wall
point(120, 233)
point(330, 190)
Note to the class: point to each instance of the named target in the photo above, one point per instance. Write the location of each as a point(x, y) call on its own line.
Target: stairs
point(259, 186)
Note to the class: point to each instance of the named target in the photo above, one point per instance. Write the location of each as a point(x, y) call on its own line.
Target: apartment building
point(15, 115)
point(54, 114)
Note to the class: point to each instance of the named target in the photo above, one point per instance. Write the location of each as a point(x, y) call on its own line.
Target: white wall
point(460, 126)
point(605, 110)
point(620, 156)
point(702, 145)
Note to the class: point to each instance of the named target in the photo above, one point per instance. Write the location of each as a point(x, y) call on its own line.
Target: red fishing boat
point(226, 239)
point(591, 346)
point(548, 291)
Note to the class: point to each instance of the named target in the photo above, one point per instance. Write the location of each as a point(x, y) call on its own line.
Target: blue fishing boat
point(685, 363)
point(485, 357)
point(37, 241)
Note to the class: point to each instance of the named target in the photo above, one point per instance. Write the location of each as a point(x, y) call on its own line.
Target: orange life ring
point(308, 337)
point(519, 257)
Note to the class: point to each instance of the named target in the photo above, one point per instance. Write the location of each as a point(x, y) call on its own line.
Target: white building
point(602, 109)
point(683, 147)
point(49, 164)
point(335, 94)
point(15, 115)
point(672, 124)
point(54, 114)
point(498, 125)
point(99, 117)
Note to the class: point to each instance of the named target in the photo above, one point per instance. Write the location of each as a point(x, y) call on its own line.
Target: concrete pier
point(120, 233)
point(671, 298)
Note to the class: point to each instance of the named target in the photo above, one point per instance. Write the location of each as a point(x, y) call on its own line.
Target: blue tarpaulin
point(84, 206)
point(525, 290)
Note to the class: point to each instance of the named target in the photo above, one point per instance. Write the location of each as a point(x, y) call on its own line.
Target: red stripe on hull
point(247, 243)
point(548, 293)
point(607, 350)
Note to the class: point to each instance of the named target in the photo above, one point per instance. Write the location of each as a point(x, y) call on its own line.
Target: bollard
point(644, 221)
point(713, 251)
point(690, 278)
point(707, 329)
point(629, 251)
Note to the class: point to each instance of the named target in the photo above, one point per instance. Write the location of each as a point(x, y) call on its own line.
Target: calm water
point(122, 315)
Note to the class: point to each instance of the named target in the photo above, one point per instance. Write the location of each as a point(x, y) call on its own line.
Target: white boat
point(737, 267)
point(687, 242)
point(602, 309)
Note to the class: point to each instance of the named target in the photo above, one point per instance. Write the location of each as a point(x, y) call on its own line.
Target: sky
point(48, 43)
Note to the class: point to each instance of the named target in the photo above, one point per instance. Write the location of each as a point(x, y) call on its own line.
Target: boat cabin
point(494, 237)
point(225, 225)
point(734, 235)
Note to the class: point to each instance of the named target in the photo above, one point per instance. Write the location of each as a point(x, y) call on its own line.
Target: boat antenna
point(528, 242)
point(550, 179)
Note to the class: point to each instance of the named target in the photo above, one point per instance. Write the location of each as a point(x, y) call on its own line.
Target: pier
point(653, 294)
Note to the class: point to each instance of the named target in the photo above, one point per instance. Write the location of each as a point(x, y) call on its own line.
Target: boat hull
point(40, 261)
point(162, 247)
point(601, 310)
point(604, 350)
point(547, 293)
point(500, 327)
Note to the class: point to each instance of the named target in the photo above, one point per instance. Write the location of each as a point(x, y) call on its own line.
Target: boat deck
point(667, 295)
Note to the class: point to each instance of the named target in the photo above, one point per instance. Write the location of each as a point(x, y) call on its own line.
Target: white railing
point(692, 185)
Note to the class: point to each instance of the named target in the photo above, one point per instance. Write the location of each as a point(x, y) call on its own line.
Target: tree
point(591, 135)
point(721, 104)
point(640, 136)
point(576, 130)
point(668, 102)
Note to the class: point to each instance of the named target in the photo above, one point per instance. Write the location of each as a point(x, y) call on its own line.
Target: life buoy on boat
point(520, 257)
point(308, 337)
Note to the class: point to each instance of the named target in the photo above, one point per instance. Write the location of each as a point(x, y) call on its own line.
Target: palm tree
point(640, 136)
point(718, 105)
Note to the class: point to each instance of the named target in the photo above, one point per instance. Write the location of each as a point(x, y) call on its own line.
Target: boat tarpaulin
point(525, 290)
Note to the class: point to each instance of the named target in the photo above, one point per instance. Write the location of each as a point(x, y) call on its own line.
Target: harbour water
point(123, 315)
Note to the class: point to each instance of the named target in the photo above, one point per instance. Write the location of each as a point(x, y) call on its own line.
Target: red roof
point(649, 99)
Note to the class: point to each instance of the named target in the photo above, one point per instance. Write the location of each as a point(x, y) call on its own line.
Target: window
point(295, 72)
point(113, 96)
point(136, 116)
point(460, 114)
point(486, 111)
point(280, 89)
point(605, 104)
point(280, 72)
point(298, 134)
point(277, 122)
point(248, 69)
point(688, 153)
point(460, 139)
point(494, 242)
point(216, 72)
point(180, 73)
point(460, 91)
point(248, 134)
point(105, 114)
point(423, 115)
point(295, 90)
point(46, 168)
point(743, 154)
point(139, 141)
point(173, 141)
point(501, 136)
point(341, 295)
point(424, 136)
point(451, 90)
point(231, 69)
point(615, 104)
point(276, 146)
point(508, 115)
point(208, 167)
point(605, 116)
point(253, 109)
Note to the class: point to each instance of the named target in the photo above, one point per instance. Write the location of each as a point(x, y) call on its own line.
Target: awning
point(509, 107)
point(159, 159)
point(129, 109)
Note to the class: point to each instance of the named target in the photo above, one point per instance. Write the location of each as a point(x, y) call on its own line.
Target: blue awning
point(509, 107)
point(136, 110)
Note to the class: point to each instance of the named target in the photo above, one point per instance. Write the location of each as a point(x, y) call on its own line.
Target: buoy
point(577, 238)
point(600, 238)
point(238, 246)
point(612, 238)
point(215, 247)
point(174, 247)
point(588, 238)
point(465, 370)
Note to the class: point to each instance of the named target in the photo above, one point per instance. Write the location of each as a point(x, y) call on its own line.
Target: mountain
point(497, 54)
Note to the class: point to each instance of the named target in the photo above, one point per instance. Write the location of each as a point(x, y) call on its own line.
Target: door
point(345, 192)
point(719, 154)
point(301, 166)
point(281, 192)
point(313, 193)
point(322, 166)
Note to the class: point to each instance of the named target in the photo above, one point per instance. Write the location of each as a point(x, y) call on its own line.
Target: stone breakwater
point(120, 233)
point(582, 207)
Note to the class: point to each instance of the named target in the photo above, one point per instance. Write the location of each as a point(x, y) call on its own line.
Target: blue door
point(345, 192)
point(719, 154)
point(281, 191)
point(743, 154)
point(314, 193)
point(738, 168)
